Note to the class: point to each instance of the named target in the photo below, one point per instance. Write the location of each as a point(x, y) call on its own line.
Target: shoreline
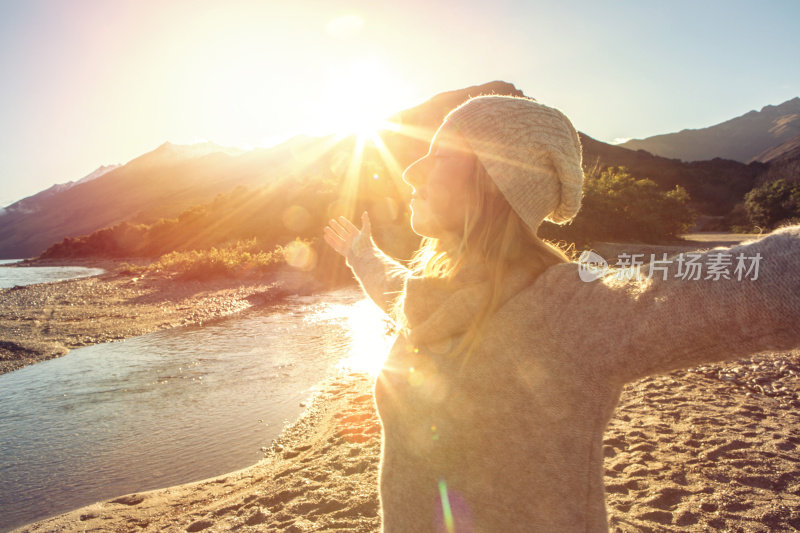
point(322, 466)
point(709, 448)
point(115, 306)
point(46, 320)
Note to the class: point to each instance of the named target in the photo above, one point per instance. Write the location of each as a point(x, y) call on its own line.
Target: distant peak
point(793, 105)
point(99, 171)
point(197, 149)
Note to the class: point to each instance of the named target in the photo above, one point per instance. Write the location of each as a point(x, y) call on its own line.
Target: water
point(170, 407)
point(9, 277)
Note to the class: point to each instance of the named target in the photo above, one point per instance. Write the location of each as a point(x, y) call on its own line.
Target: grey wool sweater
point(513, 442)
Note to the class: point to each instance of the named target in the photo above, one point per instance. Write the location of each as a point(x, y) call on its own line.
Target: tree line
point(617, 207)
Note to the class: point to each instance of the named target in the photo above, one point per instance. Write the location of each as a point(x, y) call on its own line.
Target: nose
point(414, 175)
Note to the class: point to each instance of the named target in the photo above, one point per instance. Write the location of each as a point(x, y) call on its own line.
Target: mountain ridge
point(171, 179)
point(743, 138)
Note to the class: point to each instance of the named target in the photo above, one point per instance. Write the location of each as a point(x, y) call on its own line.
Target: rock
point(200, 525)
point(129, 499)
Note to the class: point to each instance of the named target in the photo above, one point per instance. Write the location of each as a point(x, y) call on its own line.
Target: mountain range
point(31, 203)
point(771, 134)
point(173, 179)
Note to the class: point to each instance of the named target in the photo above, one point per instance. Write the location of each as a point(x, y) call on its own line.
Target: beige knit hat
point(531, 152)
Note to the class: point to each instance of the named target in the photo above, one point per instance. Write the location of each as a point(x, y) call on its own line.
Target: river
point(174, 406)
point(11, 276)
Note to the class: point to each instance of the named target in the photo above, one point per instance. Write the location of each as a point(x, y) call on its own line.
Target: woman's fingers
point(348, 226)
point(340, 233)
point(335, 230)
point(366, 227)
point(333, 242)
point(332, 236)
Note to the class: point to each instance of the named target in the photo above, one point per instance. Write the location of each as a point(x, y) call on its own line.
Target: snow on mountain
point(104, 169)
point(28, 205)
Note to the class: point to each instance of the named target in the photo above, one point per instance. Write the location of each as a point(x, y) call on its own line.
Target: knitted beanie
point(531, 151)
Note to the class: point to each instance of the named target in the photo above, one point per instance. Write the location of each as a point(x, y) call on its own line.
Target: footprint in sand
point(667, 498)
point(719, 451)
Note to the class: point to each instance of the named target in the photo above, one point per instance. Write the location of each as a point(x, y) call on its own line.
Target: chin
point(419, 221)
point(431, 231)
point(425, 225)
point(421, 229)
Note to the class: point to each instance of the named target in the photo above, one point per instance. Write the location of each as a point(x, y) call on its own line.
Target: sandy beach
point(709, 449)
point(714, 448)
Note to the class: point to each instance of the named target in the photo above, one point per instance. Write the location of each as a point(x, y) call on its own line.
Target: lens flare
point(370, 341)
point(300, 255)
point(453, 514)
point(296, 218)
point(449, 523)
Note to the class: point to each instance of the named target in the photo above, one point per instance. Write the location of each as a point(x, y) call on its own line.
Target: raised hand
point(347, 239)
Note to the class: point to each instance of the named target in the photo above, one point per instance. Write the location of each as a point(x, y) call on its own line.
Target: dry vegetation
point(243, 259)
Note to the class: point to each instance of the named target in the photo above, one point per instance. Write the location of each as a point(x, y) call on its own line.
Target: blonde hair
point(493, 233)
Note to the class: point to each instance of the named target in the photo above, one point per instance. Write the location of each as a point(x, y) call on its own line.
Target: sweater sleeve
point(381, 277)
point(660, 320)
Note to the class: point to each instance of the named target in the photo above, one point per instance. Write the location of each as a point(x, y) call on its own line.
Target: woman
point(508, 366)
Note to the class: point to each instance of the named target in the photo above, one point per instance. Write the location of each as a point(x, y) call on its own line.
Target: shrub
point(238, 260)
point(773, 203)
point(619, 207)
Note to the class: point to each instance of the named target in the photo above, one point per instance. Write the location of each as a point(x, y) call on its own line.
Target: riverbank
point(709, 449)
point(42, 321)
point(320, 474)
point(714, 448)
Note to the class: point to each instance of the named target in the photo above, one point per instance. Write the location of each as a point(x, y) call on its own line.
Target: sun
point(360, 96)
point(364, 124)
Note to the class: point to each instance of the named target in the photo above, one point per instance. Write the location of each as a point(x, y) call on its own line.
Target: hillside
point(745, 138)
point(175, 181)
point(172, 179)
point(161, 183)
point(715, 185)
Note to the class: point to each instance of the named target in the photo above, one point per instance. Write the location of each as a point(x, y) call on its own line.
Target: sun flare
point(370, 342)
point(360, 97)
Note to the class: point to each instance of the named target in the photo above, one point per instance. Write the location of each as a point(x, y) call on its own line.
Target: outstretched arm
point(380, 276)
point(649, 325)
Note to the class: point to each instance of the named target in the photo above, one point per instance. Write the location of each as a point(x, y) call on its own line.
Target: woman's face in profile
point(442, 182)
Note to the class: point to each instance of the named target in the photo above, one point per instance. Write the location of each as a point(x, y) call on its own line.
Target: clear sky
point(91, 82)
